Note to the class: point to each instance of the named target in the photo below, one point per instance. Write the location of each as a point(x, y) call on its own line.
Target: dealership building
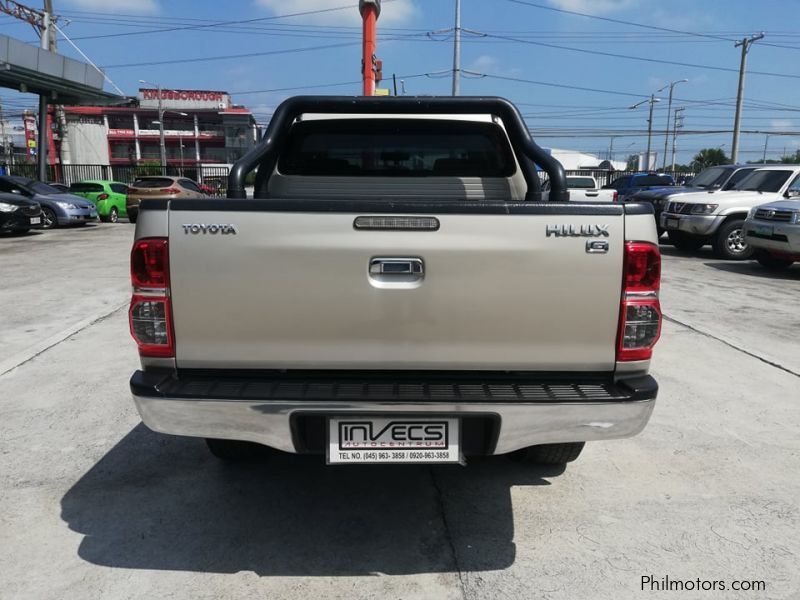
point(201, 127)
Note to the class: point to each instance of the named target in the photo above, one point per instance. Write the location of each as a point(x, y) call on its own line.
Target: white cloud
point(484, 64)
point(122, 6)
point(397, 12)
point(781, 123)
point(594, 7)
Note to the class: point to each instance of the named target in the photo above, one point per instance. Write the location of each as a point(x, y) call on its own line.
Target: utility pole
point(764, 158)
point(161, 141)
point(652, 100)
point(42, 147)
point(51, 34)
point(457, 51)
point(370, 11)
point(669, 112)
point(678, 123)
point(745, 44)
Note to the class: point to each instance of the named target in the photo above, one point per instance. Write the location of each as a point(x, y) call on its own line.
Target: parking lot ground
point(94, 505)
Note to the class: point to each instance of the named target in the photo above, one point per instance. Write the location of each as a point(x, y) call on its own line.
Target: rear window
point(395, 148)
point(119, 188)
point(152, 182)
point(580, 183)
point(652, 180)
point(85, 188)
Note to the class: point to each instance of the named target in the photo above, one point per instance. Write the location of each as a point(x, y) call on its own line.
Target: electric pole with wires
point(745, 43)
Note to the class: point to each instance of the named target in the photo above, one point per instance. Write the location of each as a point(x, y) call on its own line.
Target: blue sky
point(559, 115)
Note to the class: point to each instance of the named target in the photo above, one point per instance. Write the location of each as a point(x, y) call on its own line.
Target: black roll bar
point(264, 154)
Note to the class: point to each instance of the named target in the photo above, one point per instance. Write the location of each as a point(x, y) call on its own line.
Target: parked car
point(58, 208)
point(59, 186)
point(159, 186)
point(773, 231)
point(693, 220)
point(18, 213)
point(583, 188)
point(712, 179)
point(628, 185)
point(109, 197)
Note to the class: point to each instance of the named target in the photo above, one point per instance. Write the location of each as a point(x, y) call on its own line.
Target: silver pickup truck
point(395, 292)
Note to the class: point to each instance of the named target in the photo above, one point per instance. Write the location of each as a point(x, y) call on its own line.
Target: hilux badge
point(577, 230)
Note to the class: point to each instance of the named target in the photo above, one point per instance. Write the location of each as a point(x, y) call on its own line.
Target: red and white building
point(201, 127)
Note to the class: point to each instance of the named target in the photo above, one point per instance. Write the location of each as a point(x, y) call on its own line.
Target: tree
point(708, 157)
point(632, 162)
point(791, 159)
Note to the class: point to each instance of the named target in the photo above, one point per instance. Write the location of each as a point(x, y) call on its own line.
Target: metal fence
point(216, 178)
point(604, 177)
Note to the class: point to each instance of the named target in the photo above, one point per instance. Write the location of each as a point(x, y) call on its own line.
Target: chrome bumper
point(270, 422)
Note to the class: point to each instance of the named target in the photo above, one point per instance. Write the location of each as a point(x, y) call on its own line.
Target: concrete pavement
point(94, 505)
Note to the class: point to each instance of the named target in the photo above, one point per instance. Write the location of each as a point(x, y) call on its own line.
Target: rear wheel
point(768, 261)
point(49, 219)
point(685, 241)
point(729, 241)
point(552, 454)
point(113, 216)
point(233, 450)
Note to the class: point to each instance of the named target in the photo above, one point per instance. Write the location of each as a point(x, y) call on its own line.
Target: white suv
point(701, 218)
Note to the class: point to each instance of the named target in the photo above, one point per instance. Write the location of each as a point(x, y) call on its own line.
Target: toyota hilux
point(396, 291)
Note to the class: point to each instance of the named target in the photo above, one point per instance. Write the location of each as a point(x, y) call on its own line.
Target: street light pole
point(669, 112)
point(162, 142)
point(180, 137)
point(652, 100)
point(764, 158)
point(675, 134)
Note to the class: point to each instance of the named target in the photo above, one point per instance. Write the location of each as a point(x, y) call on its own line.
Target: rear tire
point(773, 263)
point(132, 218)
point(685, 241)
point(552, 454)
point(233, 450)
point(49, 218)
point(729, 241)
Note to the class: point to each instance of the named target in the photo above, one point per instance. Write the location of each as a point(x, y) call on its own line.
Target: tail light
point(615, 196)
point(170, 190)
point(103, 197)
point(150, 313)
point(640, 311)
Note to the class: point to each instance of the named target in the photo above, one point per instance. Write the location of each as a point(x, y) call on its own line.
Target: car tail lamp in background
point(150, 313)
point(103, 197)
point(170, 190)
point(640, 311)
point(615, 197)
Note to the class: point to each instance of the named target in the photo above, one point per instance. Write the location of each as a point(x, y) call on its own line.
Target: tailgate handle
point(397, 267)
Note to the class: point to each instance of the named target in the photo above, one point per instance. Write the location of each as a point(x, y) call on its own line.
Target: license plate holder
point(36, 220)
point(673, 223)
point(365, 439)
point(764, 230)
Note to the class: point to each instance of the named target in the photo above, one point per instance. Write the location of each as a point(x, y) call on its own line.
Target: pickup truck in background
point(720, 178)
point(627, 185)
point(773, 231)
point(694, 220)
point(584, 188)
point(395, 292)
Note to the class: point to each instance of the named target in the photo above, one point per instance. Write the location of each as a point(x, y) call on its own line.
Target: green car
point(109, 196)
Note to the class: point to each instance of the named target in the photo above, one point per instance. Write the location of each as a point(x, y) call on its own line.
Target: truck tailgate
point(293, 289)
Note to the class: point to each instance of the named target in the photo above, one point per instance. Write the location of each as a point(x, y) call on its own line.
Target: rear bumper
point(267, 410)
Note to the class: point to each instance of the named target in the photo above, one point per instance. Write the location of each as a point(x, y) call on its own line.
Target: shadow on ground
point(162, 502)
point(753, 269)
